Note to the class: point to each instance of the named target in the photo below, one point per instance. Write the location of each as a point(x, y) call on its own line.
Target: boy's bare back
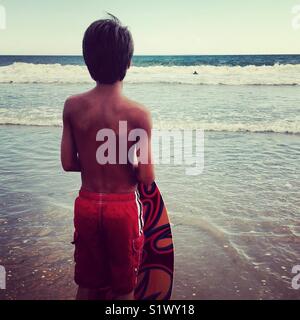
point(84, 115)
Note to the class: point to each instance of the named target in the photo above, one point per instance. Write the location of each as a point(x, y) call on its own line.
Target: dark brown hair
point(107, 50)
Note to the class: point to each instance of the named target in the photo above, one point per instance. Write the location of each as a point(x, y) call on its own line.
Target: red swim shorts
point(108, 241)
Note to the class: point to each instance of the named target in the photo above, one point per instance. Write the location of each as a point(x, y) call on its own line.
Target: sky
point(158, 26)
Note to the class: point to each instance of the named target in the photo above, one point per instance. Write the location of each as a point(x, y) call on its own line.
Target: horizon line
point(159, 55)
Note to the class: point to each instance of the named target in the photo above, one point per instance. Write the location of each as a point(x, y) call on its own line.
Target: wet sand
point(206, 266)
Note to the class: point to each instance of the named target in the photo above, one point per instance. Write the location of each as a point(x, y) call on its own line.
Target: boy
point(108, 215)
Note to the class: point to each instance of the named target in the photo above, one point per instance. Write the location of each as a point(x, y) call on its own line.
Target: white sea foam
point(278, 74)
point(258, 127)
point(283, 127)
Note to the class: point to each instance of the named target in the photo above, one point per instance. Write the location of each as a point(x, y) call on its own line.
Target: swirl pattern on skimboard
point(155, 279)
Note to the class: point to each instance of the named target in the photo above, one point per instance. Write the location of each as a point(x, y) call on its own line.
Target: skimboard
point(155, 278)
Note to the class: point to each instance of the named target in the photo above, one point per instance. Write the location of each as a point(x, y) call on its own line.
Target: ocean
point(236, 226)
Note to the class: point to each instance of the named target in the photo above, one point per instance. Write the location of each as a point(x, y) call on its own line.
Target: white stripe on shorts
point(140, 212)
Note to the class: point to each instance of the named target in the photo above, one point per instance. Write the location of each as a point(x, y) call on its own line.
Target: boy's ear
point(129, 64)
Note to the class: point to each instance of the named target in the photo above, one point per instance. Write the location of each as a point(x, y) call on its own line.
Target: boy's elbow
point(67, 166)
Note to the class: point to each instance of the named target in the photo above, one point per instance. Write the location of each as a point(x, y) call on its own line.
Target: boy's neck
point(110, 89)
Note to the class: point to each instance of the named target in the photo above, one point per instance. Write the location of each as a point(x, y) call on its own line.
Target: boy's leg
point(83, 294)
point(129, 296)
point(90, 294)
point(94, 294)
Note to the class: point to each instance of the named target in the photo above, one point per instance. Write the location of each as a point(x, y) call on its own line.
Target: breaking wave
point(282, 127)
point(276, 75)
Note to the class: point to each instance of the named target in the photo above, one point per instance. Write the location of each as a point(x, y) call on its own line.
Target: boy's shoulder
point(73, 102)
point(136, 112)
point(139, 114)
point(75, 99)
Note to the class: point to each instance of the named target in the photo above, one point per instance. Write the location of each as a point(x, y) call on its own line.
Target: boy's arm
point(69, 155)
point(145, 172)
